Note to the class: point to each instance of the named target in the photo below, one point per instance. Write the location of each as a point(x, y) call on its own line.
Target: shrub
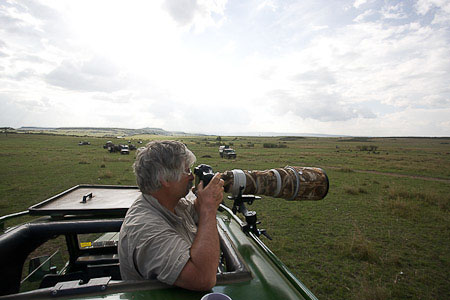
point(367, 148)
point(361, 248)
point(106, 174)
point(272, 145)
point(351, 190)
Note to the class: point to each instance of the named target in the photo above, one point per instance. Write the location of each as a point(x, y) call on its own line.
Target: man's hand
point(199, 273)
point(209, 198)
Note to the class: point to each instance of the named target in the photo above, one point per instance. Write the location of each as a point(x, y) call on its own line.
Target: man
point(168, 233)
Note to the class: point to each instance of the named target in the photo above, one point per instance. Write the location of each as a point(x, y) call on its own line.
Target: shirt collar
point(164, 211)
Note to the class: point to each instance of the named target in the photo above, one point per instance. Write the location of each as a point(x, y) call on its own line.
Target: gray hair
point(161, 161)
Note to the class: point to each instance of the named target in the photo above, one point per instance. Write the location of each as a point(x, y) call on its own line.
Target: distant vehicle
point(124, 149)
point(229, 153)
point(82, 143)
point(108, 145)
point(221, 148)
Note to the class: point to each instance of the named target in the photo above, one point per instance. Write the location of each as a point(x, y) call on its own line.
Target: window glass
point(98, 240)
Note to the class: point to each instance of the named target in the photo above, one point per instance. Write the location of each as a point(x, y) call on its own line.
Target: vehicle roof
point(88, 199)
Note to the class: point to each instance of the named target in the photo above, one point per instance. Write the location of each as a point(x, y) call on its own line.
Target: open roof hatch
point(88, 200)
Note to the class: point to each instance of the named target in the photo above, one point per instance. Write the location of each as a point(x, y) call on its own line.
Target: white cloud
point(394, 12)
point(358, 3)
point(196, 13)
point(267, 4)
point(364, 15)
point(94, 75)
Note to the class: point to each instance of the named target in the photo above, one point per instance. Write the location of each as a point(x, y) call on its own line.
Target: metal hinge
point(79, 286)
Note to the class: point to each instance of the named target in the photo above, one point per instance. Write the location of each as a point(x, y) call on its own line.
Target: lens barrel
point(291, 183)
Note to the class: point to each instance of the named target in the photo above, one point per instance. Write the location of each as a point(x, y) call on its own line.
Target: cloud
point(394, 12)
point(183, 12)
point(196, 13)
point(318, 106)
point(29, 58)
point(120, 97)
point(267, 4)
point(97, 74)
point(21, 111)
point(28, 19)
point(321, 76)
point(364, 16)
point(26, 73)
point(440, 9)
point(358, 3)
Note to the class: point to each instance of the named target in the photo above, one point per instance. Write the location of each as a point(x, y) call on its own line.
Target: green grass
point(373, 237)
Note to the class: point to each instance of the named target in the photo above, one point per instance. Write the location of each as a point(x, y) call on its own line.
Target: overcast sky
point(362, 67)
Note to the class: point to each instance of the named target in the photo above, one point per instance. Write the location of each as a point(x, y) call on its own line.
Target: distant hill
point(102, 131)
point(270, 134)
point(123, 132)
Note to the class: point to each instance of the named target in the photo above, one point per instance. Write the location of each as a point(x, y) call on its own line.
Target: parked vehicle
point(227, 152)
point(124, 149)
point(221, 150)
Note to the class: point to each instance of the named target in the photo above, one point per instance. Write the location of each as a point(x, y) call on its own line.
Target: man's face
point(186, 181)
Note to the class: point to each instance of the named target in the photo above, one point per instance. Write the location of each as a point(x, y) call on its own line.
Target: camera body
point(203, 173)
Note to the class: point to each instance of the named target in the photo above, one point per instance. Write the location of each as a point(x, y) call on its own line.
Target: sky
point(361, 67)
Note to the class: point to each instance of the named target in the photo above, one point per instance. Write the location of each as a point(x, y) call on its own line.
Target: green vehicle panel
point(250, 270)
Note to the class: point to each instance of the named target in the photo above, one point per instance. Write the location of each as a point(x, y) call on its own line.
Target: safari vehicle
point(124, 149)
point(221, 149)
point(90, 217)
point(227, 152)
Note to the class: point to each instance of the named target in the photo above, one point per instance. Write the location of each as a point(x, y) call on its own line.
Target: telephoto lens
point(291, 183)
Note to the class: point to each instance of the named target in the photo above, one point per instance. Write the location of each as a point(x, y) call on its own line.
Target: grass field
point(383, 231)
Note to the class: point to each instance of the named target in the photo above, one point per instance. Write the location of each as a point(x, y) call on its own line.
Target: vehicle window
point(49, 258)
point(98, 240)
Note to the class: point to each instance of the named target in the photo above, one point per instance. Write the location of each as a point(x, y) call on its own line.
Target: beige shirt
point(154, 242)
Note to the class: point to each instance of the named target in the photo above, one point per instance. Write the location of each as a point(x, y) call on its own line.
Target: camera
point(290, 182)
point(203, 173)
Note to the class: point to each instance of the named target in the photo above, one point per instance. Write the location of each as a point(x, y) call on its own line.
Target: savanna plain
point(382, 232)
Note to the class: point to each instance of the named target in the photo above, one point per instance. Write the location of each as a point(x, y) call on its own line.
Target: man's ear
point(165, 184)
